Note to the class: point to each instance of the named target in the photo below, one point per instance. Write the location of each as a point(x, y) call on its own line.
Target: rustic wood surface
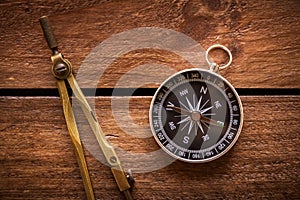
point(37, 160)
point(262, 35)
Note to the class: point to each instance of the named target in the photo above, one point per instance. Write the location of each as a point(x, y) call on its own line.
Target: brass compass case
point(196, 115)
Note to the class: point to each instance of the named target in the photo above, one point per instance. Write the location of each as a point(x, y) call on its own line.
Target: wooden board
point(263, 37)
point(37, 159)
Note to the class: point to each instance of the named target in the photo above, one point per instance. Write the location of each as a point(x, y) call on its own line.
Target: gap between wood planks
point(90, 92)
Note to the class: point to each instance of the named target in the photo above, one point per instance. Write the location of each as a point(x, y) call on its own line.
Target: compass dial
point(196, 115)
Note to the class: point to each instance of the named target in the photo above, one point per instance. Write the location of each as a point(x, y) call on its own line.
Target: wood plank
point(37, 159)
point(263, 37)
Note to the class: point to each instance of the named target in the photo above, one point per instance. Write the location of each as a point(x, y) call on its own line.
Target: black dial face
point(196, 116)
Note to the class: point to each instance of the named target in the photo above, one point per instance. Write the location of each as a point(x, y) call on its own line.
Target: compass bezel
point(237, 131)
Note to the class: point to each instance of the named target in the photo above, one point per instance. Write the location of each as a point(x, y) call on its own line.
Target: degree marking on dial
point(164, 90)
point(175, 150)
point(216, 150)
point(232, 101)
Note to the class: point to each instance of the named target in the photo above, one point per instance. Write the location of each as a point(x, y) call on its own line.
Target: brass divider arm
point(62, 71)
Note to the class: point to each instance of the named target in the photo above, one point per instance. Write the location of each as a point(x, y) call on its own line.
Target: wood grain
point(37, 160)
point(263, 37)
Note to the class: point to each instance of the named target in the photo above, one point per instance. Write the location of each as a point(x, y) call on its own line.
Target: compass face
point(196, 115)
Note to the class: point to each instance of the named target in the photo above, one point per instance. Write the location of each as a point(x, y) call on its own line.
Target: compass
point(196, 115)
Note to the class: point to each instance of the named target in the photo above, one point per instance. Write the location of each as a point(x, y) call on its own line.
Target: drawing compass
point(62, 71)
point(196, 115)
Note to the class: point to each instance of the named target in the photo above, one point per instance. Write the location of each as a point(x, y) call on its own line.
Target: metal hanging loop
point(218, 46)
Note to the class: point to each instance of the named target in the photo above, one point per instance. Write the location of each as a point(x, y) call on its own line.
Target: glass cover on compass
point(196, 115)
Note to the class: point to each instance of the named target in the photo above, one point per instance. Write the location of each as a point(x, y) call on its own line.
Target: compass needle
point(206, 125)
point(212, 122)
point(179, 110)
